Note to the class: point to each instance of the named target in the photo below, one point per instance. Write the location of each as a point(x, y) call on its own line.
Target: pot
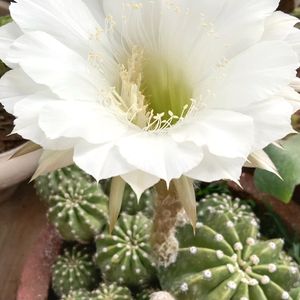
point(36, 275)
point(14, 171)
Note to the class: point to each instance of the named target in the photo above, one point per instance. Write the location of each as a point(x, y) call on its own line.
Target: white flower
point(153, 89)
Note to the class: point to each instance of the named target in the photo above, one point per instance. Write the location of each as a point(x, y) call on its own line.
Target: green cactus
point(226, 260)
point(111, 292)
point(77, 295)
point(295, 293)
point(77, 206)
point(125, 255)
point(74, 270)
point(131, 206)
point(152, 294)
point(59, 180)
point(235, 208)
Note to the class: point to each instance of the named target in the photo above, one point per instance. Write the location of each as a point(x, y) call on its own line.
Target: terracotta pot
point(14, 171)
point(36, 275)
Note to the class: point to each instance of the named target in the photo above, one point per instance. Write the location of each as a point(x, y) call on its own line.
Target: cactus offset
point(77, 295)
point(58, 181)
point(226, 260)
point(132, 206)
point(77, 205)
point(74, 270)
point(125, 255)
point(111, 292)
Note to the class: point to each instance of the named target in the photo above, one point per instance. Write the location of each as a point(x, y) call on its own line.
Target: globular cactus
point(111, 292)
point(74, 270)
point(225, 260)
point(77, 206)
point(77, 295)
point(132, 206)
point(295, 293)
point(58, 181)
point(125, 255)
point(234, 208)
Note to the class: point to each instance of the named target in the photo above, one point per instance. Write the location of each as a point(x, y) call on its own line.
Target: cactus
point(125, 255)
point(111, 292)
point(74, 270)
point(59, 180)
point(77, 206)
point(226, 260)
point(295, 293)
point(236, 209)
point(152, 294)
point(77, 295)
point(131, 206)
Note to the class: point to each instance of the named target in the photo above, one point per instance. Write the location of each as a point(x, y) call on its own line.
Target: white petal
point(14, 86)
point(101, 161)
point(63, 70)
point(213, 168)
point(96, 8)
point(8, 34)
point(140, 181)
point(272, 121)
point(254, 75)
point(226, 133)
point(79, 119)
point(294, 40)
point(69, 21)
point(278, 26)
point(159, 155)
point(260, 159)
point(292, 97)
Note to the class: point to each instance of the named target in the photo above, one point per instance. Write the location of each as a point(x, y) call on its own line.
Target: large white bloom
point(151, 89)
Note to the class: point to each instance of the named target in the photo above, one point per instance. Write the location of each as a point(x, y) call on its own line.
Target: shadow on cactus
point(226, 259)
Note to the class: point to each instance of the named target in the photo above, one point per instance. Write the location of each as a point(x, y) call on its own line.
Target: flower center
point(154, 93)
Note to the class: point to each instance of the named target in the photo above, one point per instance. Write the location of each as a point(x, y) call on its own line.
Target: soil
point(8, 142)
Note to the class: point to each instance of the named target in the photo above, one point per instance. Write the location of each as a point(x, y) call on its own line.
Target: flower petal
point(213, 168)
point(278, 26)
point(140, 181)
point(101, 161)
point(69, 21)
point(252, 76)
point(272, 121)
point(225, 133)
point(14, 86)
point(8, 34)
point(65, 119)
point(159, 155)
point(64, 71)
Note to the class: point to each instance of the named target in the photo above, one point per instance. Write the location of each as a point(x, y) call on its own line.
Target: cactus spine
point(111, 292)
point(226, 260)
point(74, 270)
point(77, 204)
point(77, 295)
point(132, 206)
point(125, 255)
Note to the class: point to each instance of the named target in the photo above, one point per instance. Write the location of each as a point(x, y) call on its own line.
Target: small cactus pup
point(226, 260)
point(74, 270)
point(125, 255)
point(132, 206)
point(111, 292)
point(77, 295)
point(58, 181)
point(78, 209)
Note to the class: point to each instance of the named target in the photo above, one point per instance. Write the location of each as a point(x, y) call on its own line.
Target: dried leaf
point(115, 200)
point(53, 160)
point(26, 148)
point(186, 194)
